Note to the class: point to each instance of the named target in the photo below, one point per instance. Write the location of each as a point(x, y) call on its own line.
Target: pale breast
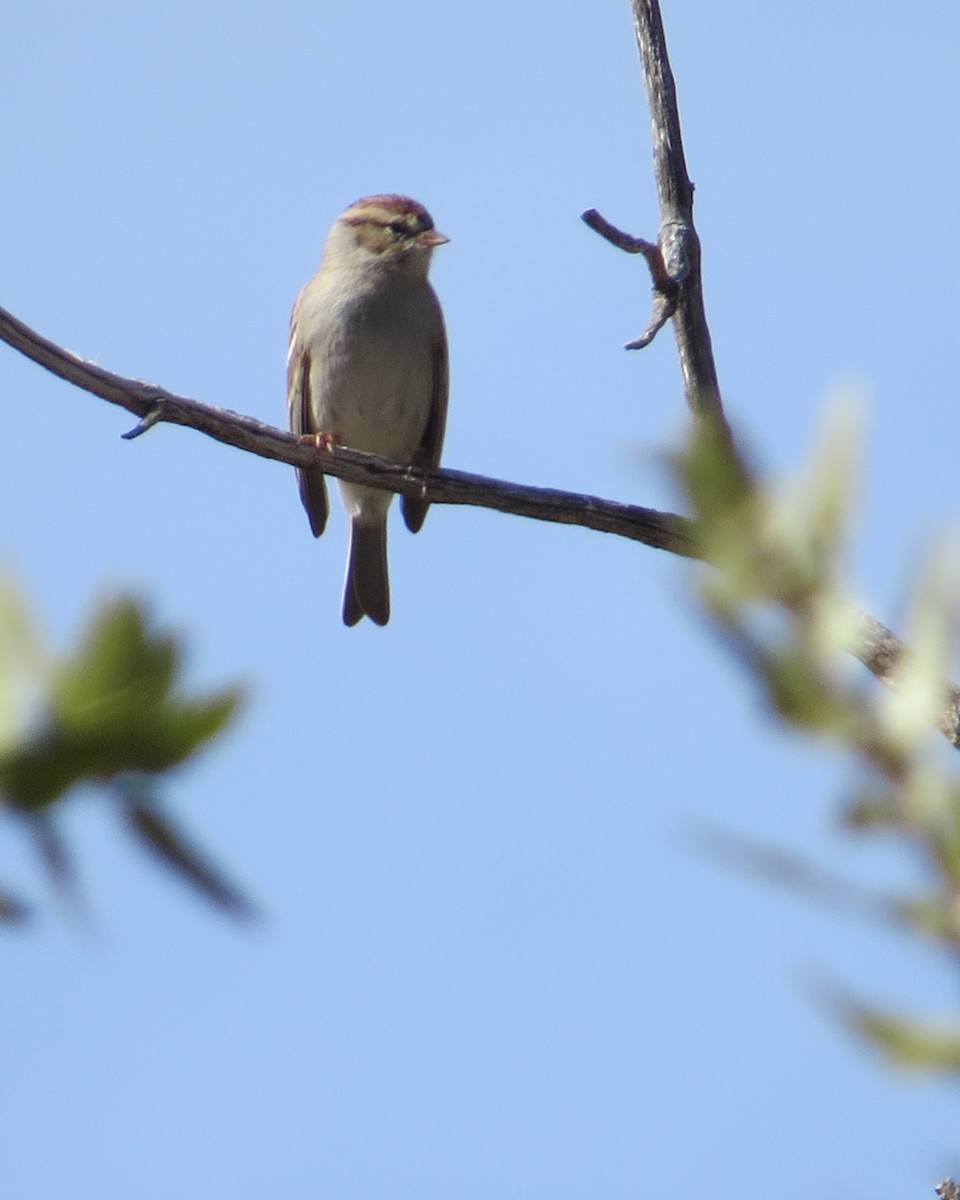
point(372, 368)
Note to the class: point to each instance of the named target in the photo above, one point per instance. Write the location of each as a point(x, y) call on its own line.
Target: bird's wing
point(431, 443)
point(313, 487)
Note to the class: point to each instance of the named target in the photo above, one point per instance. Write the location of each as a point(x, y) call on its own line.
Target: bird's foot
point(322, 441)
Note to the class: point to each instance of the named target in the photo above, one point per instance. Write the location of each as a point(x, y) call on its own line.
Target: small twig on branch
point(877, 647)
point(150, 418)
point(632, 245)
point(665, 289)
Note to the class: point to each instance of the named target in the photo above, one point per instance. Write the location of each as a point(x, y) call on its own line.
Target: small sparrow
point(367, 369)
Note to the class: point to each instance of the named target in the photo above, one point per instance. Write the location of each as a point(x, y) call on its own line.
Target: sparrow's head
point(392, 231)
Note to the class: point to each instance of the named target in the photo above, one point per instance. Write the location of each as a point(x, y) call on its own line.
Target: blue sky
point(493, 961)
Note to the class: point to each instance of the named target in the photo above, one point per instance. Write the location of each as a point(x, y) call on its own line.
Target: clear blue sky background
point(493, 963)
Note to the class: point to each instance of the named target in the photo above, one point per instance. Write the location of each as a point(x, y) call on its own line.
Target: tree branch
point(877, 647)
point(678, 243)
point(154, 405)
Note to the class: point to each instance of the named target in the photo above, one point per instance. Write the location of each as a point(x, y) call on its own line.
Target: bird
point(367, 368)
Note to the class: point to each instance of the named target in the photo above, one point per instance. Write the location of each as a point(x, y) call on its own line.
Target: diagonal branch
point(877, 647)
point(153, 405)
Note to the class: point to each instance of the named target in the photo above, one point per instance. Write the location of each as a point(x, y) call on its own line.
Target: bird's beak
point(432, 238)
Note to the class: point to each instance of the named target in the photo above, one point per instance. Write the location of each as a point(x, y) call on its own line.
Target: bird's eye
point(397, 227)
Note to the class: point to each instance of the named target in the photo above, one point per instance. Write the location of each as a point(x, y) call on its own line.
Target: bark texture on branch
point(154, 405)
point(679, 243)
point(877, 647)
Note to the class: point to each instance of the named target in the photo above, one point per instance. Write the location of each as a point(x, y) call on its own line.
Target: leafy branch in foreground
point(772, 593)
point(112, 715)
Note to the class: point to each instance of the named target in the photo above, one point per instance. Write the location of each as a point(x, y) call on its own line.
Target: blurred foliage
point(773, 592)
point(113, 716)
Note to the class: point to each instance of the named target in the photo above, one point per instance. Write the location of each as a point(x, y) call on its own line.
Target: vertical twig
point(679, 244)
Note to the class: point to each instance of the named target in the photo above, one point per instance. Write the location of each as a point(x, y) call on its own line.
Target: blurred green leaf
point(13, 911)
point(920, 1046)
point(798, 690)
point(910, 710)
point(58, 862)
point(23, 663)
point(827, 623)
point(157, 832)
point(119, 672)
point(715, 475)
point(111, 713)
point(771, 589)
point(808, 517)
point(113, 709)
point(934, 918)
point(874, 807)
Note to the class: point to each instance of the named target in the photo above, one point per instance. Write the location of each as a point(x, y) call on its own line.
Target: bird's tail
point(367, 589)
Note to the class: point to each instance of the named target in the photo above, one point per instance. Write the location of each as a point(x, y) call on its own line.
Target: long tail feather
point(367, 589)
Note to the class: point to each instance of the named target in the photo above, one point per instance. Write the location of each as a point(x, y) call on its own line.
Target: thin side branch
point(665, 289)
point(629, 243)
point(877, 647)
